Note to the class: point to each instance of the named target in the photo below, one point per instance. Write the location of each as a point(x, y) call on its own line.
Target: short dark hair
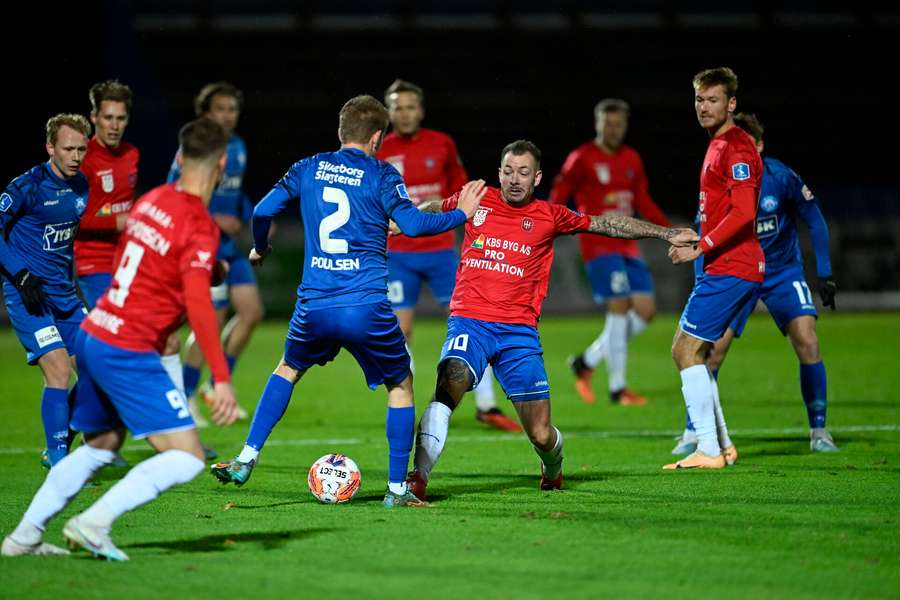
point(400, 85)
point(77, 122)
point(718, 76)
point(749, 123)
point(113, 90)
point(203, 101)
point(360, 117)
point(520, 147)
point(202, 140)
point(615, 105)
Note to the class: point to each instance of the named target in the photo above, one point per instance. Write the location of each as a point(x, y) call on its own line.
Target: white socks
point(598, 350)
point(618, 350)
point(484, 391)
point(699, 398)
point(247, 454)
point(636, 325)
point(433, 427)
point(172, 365)
point(143, 483)
point(552, 459)
point(65, 479)
point(721, 427)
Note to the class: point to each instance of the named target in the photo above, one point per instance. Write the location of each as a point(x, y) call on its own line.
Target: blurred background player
point(503, 279)
point(164, 259)
point(606, 176)
point(347, 199)
point(39, 215)
point(432, 169)
point(230, 208)
point(733, 261)
point(783, 199)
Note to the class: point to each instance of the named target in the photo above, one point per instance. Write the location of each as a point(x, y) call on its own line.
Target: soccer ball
point(334, 479)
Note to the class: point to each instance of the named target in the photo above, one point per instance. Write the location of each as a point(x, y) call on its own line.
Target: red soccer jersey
point(604, 183)
point(169, 239)
point(432, 170)
point(506, 257)
point(111, 175)
point(729, 189)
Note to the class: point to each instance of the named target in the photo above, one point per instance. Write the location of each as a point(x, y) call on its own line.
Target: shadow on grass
point(268, 540)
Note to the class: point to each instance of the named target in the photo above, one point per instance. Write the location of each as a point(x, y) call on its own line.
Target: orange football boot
point(698, 460)
point(583, 375)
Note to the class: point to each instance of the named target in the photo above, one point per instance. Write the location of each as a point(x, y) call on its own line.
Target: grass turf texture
point(782, 523)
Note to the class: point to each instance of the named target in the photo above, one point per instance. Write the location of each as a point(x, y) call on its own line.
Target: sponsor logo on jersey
point(767, 226)
point(807, 193)
point(527, 224)
point(480, 215)
point(5, 202)
point(740, 171)
point(58, 236)
point(602, 171)
point(401, 191)
point(429, 163)
point(107, 183)
point(202, 261)
point(230, 183)
point(105, 210)
point(479, 241)
point(47, 335)
point(769, 203)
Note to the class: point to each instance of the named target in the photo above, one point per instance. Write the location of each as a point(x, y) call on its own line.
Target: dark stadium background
point(817, 76)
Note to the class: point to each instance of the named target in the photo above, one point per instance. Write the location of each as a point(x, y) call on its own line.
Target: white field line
point(515, 437)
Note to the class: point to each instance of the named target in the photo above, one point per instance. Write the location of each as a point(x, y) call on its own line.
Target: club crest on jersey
point(602, 173)
point(769, 203)
point(480, 215)
point(479, 242)
point(807, 194)
point(80, 204)
point(527, 224)
point(429, 163)
point(5, 202)
point(740, 171)
point(107, 183)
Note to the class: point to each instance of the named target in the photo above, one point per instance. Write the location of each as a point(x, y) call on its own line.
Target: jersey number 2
point(334, 221)
point(124, 276)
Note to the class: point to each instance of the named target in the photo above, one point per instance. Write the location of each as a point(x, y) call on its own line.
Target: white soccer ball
point(334, 479)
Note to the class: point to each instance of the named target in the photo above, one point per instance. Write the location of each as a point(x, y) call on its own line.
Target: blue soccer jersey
point(346, 200)
point(783, 198)
point(39, 215)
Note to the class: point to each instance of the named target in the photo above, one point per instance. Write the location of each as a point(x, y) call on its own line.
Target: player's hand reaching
point(224, 405)
point(470, 197)
point(31, 290)
point(827, 291)
point(257, 258)
point(393, 228)
point(682, 237)
point(684, 254)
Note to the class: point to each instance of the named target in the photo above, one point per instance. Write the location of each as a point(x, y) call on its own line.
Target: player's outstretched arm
point(629, 228)
point(414, 223)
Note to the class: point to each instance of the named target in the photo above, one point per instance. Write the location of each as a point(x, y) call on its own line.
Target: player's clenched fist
point(256, 257)
point(219, 272)
point(683, 254)
point(681, 237)
point(470, 196)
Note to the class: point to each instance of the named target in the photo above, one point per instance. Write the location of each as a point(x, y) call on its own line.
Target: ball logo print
point(334, 479)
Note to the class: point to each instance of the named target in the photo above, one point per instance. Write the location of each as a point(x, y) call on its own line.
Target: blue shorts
point(618, 276)
point(55, 328)
point(240, 272)
point(108, 395)
point(514, 351)
point(786, 295)
point(93, 286)
point(407, 271)
point(370, 332)
point(714, 303)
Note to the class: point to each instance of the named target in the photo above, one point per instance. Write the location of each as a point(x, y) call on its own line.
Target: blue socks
point(400, 427)
point(55, 415)
point(228, 359)
point(274, 401)
point(191, 379)
point(813, 388)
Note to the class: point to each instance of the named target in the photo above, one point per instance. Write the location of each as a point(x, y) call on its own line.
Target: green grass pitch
point(782, 523)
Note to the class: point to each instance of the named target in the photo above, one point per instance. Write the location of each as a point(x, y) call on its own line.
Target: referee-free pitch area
point(781, 523)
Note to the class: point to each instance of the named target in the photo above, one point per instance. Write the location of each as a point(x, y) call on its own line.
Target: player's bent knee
point(454, 373)
point(106, 440)
point(57, 368)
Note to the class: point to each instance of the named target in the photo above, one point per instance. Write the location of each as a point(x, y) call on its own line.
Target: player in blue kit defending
point(347, 199)
point(782, 200)
point(39, 215)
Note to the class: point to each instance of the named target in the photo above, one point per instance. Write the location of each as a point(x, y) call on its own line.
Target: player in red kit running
point(164, 263)
point(606, 176)
point(733, 261)
point(502, 281)
point(111, 167)
point(432, 170)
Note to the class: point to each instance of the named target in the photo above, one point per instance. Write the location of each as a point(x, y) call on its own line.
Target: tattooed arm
point(629, 228)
